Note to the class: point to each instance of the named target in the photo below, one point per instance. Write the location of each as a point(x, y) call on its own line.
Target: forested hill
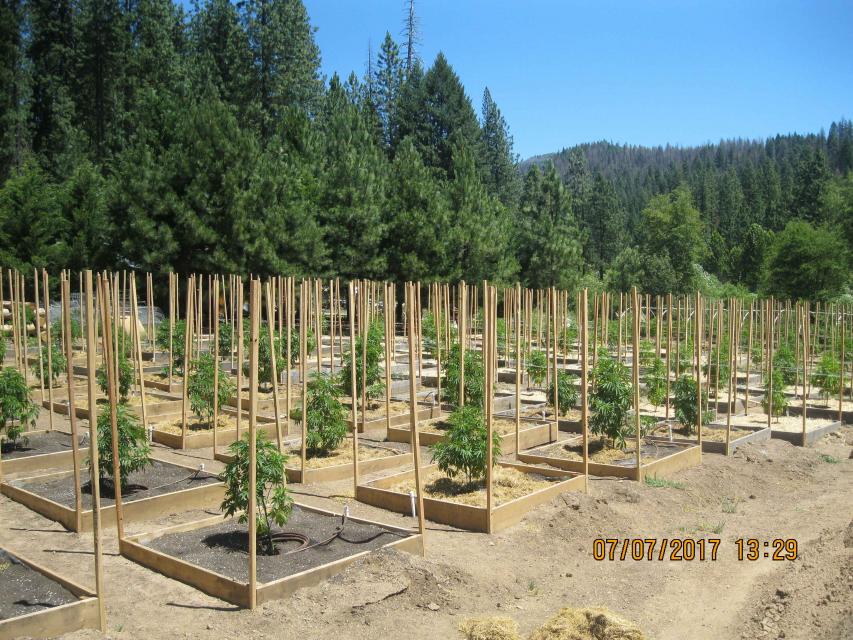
point(637, 172)
point(734, 183)
point(204, 137)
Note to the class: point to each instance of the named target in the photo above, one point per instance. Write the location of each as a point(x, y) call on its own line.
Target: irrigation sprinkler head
point(201, 467)
point(412, 499)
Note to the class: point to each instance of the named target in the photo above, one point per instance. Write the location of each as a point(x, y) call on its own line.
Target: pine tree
point(14, 87)
point(388, 81)
point(501, 174)
point(418, 220)
point(550, 252)
point(286, 58)
point(606, 225)
point(50, 51)
point(353, 175)
point(101, 55)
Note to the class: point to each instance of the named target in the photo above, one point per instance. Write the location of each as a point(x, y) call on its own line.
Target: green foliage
point(178, 338)
point(475, 377)
point(57, 363)
point(274, 502)
point(204, 397)
point(56, 329)
point(686, 411)
point(429, 331)
point(774, 392)
point(372, 375)
point(656, 382)
point(463, 450)
point(537, 367)
point(226, 333)
point(134, 452)
point(785, 365)
point(17, 410)
point(610, 400)
point(710, 368)
point(567, 392)
point(125, 378)
point(265, 355)
point(310, 344)
point(827, 376)
point(647, 353)
point(327, 423)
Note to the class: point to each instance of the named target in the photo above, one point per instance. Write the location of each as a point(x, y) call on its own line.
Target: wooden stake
point(240, 338)
point(354, 389)
point(413, 413)
point(584, 358)
point(304, 308)
point(635, 368)
point(255, 312)
point(95, 474)
point(65, 286)
point(137, 348)
point(273, 365)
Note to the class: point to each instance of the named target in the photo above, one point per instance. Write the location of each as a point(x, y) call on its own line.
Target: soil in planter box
point(39, 443)
point(157, 479)
point(599, 451)
point(24, 590)
point(791, 424)
point(715, 434)
point(223, 548)
point(225, 422)
point(375, 408)
point(502, 426)
point(509, 484)
point(343, 454)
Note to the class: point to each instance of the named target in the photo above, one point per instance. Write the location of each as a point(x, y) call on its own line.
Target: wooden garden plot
point(210, 554)
point(713, 436)
point(533, 433)
point(200, 433)
point(660, 459)
point(44, 450)
point(400, 415)
point(373, 457)
point(790, 427)
point(38, 603)
point(468, 510)
point(156, 405)
point(163, 488)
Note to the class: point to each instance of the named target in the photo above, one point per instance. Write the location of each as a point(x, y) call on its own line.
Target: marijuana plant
point(656, 383)
point(274, 501)
point(372, 353)
point(784, 364)
point(57, 361)
point(537, 367)
point(463, 448)
point(686, 411)
point(775, 393)
point(567, 392)
point(125, 378)
point(17, 410)
point(610, 400)
point(134, 452)
point(204, 398)
point(827, 376)
point(327, 424)
point(162, 340)
point(475, 377)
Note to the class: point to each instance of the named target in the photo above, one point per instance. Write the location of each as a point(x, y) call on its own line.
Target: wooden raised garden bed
point(664, 458)
point(467, 510)
point(533, 433)
point(200, 435)
point(714, 436)
point(210, 554)
point(44, 450)
point(37, 603)
point(160, 489)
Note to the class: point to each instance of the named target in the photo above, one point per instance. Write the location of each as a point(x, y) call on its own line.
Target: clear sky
point(640, 71)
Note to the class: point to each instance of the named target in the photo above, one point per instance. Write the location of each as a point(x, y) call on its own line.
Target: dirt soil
point(223, 547)
point(40, 443)
point(24, 590)
point(531, 571)
point(156, 479)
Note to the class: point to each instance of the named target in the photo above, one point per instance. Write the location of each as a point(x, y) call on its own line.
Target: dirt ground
point(530, 571)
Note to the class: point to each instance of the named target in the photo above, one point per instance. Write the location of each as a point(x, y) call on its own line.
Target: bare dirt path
point(767, 491)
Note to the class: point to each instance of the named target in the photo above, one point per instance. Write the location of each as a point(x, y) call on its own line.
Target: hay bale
point(490, 628)
point(587, 624)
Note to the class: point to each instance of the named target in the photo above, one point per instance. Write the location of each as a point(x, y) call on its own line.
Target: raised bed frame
point(462, 516)
point(55, 621)
point(812, 435)
point(25, 465)
point(203, 497)
point(533, 433)
point(759, 434)
point(202, 439)
point(235, 591)
point(689, 456)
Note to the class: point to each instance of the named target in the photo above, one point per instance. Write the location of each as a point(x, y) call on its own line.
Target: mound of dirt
point(490, 628)
point(587, 624)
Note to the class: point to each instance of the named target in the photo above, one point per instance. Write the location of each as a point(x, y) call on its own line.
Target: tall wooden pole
point(354, 387)
point(255, 306)
point(489, 320)
point(273, 364)
point(413, 412)
point(137, 348)
point(635, 369)
point(72, 413)
point(584, 358)
point(49, 336)
point(95, 474)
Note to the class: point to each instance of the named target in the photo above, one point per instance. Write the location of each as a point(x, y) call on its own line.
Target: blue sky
point(643, 71)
